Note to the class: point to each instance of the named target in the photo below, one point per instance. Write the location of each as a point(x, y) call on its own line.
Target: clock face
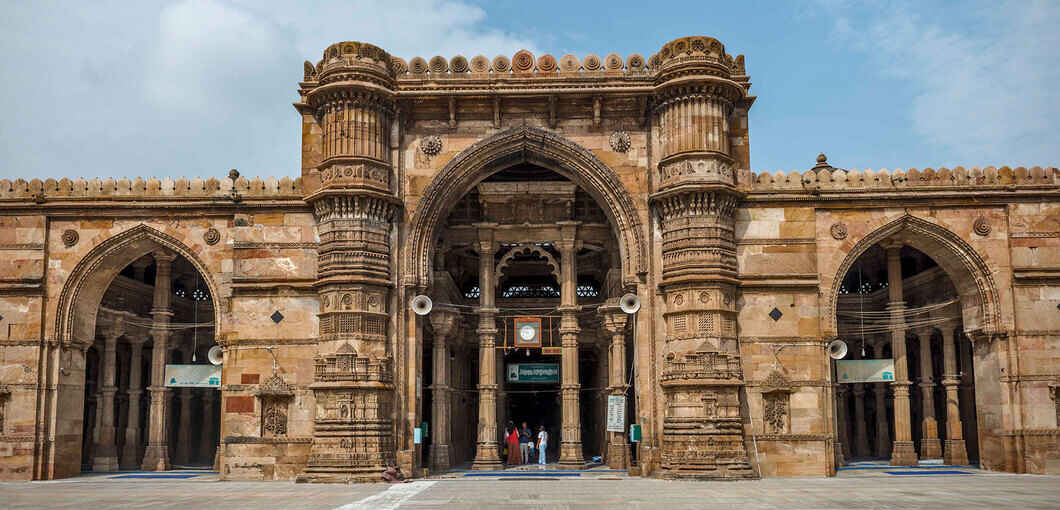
point(527, 332)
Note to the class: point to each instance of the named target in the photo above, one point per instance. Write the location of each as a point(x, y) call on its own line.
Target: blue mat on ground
point(935, 467)
point(155, 476)
point(931, 472)
point(524, 473)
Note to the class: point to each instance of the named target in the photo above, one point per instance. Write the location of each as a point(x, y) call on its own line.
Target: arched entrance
point(916, 293)
point(134, 304)
point(525, 226)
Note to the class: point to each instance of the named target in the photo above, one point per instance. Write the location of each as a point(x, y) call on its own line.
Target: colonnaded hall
point(599, 259)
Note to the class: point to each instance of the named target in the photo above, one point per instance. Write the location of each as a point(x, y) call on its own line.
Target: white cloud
point(193, 87)
point(984, 90)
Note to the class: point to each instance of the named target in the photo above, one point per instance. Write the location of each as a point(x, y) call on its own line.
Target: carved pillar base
point(930, 449)
point(130, 458)
point(440, 458)
point(618, 453)
point(570, 455)
point(105, 464)
point(903, 454)
point(156, 458)
point(840, 460)
point(486, 457)
point(955, 453)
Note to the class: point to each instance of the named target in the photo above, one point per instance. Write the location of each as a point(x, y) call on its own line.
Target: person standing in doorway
point(524, 443)
point(514, 459)
point(542, 445)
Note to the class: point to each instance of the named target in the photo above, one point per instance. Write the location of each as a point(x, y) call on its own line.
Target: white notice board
point(193, 376)
point(864, 370)
point(616, 413)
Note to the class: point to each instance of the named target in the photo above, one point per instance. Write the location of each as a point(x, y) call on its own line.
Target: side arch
point(512, 147)
point(84, 288)
point(526, 249)
point(980, 302)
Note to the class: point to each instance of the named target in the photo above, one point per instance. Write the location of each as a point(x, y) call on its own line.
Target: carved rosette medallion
point(620, 141)
point(70, 237)
point(431, 145)
point(211, 236)
point(839, 231)
point(981, 226)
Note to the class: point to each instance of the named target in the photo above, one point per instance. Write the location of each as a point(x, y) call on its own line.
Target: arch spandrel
point(508, 148)
point(973, 279)
point(84, 288)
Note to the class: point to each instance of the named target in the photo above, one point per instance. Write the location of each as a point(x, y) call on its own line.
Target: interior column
point(445, 323)
point(614, 323)
point(570, 452)
point(184, 430)
point(486, 452)
point(861, 433)
point(206, 440)
point(843, 422)
point(156, 457)
point(883, 433)
point(903, 453)
point(930, 446)
point(955, 452)
point(106, 454)
point(130, 452)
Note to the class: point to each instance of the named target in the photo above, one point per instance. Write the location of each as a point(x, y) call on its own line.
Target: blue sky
point(195, 87)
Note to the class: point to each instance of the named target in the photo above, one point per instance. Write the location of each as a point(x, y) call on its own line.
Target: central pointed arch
point(508, 148)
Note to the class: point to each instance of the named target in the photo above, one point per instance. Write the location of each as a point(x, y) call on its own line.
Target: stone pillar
point(955, 452)
point(445, 323)
point(930, 446)
point(140, 267)
point(614, 324)
point(843, 422)
point(861, 433)
point(487, 447)
point(570, 446)
point(156, 457)
point(206, 440)
point(130, 452)
point(106, 453)
point(903, 454)
point(883, 433)
point(183, 453)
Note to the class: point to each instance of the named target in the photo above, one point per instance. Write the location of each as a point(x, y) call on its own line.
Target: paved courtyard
point(859, 488)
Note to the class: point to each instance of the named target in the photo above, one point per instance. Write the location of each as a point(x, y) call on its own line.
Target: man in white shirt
point(542, 445)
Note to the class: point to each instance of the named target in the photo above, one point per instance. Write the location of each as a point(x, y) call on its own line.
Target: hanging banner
point(864, 370)
point(193, 376)
point(533, 372)
point(616, 413)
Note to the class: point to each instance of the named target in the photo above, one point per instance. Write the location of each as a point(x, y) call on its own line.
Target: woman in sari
point(514, 458)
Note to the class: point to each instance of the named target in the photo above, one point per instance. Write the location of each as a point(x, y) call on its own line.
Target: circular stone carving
point(480, 64)
point(546, 63)
point(431, 145)
point(678, 299)
point(839, 231)
point(591, 62)
point(704, 297)
point(613, 62)
point(458, 64)
point(211, 236)
point(439, 65)
point(569, 64)
point(70, 237)
point(523, 62)
point(398, 66)
point(981, 226)
point(347, 299)
point(620, 141)
point(501, 64)
point(373, 301)
point(417, 66)
point(635, 62)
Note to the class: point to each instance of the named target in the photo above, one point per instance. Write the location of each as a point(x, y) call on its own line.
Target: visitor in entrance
point(514, 459)
point(524, 443)
point(542, 445)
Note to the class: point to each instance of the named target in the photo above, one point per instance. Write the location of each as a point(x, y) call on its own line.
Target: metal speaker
point(837, 349)
point(629, 303)
point(216, 355)
point(421, 305)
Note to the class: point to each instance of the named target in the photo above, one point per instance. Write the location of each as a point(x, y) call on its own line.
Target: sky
point(192, 88)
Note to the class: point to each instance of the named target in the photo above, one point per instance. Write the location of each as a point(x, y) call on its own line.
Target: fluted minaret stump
point(349, 175)
point(700, 108)
point(903, 454)
point(930, 446)
point(131, 449)
point(156, 456)
point(955, 451)
point(106, 454)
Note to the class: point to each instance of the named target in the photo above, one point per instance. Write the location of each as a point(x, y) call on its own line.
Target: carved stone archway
point(511, 147)
point(980, 303)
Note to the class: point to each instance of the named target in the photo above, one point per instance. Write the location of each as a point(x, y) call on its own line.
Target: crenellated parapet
point(840, 180)
point(139, 188)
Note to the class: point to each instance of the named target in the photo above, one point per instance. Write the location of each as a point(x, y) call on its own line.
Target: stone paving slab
point(865, 490)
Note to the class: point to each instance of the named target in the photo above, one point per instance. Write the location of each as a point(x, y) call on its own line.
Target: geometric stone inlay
point(276, 317)
point(775, 314)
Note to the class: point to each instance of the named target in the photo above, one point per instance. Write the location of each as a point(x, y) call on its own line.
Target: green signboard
point(533, 372)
